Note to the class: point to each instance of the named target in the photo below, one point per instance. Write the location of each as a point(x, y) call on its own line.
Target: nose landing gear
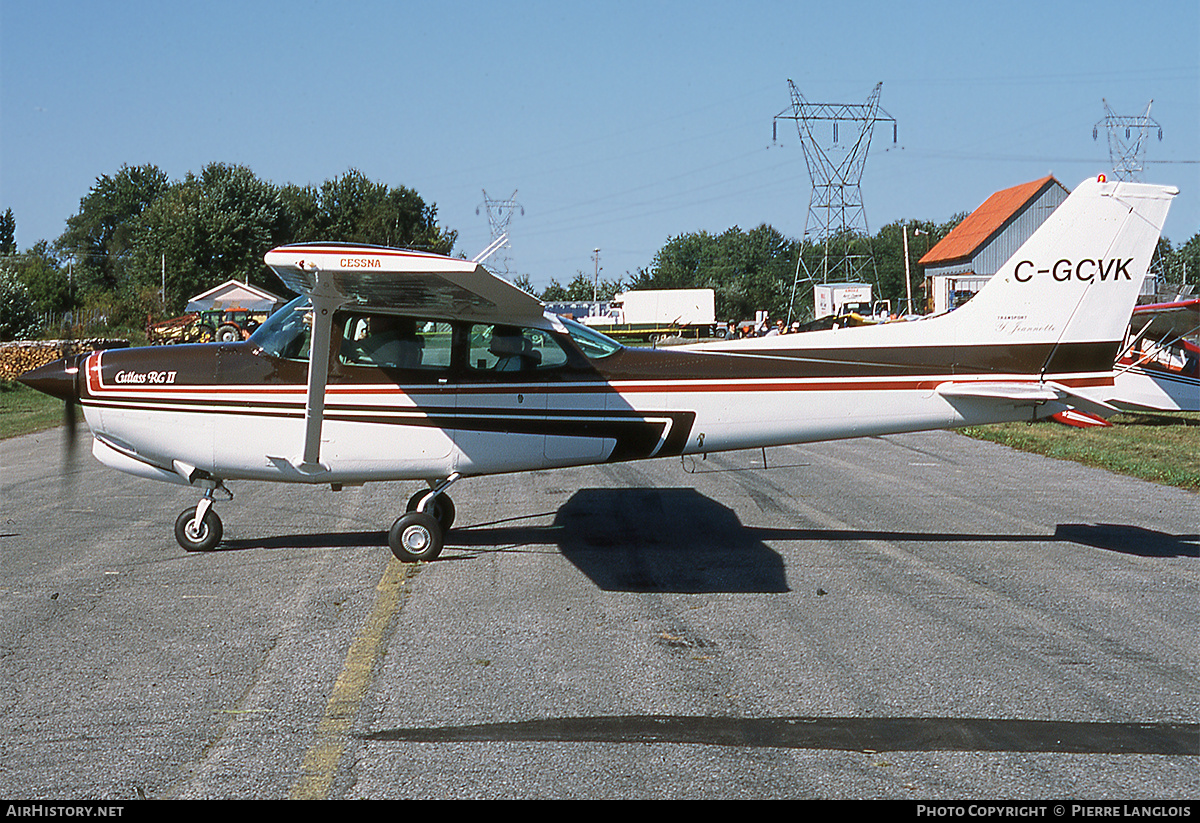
point(199, 529)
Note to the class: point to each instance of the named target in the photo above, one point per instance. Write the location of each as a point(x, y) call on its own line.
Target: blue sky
point(618, 124)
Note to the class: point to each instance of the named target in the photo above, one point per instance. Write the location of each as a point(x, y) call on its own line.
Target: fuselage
point(237, 411)
point(1162, 378)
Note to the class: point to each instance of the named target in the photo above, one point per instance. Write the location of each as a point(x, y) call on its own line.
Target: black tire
point(443, 509)
point(415, 537)
point(205, 538)
point(228, 334)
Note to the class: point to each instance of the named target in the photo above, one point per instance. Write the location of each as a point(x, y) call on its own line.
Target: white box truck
point(653, 314)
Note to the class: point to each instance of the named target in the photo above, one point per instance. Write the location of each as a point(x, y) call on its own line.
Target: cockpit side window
point(392, 342)
point(592, 343)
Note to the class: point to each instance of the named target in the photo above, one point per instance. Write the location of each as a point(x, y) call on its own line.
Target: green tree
point(1176, 267)
point(353, 209)
point(522, 282)
point(748, 271)
point(8, 233)
point(1187, 262)
point(18, 321)
point(887, 248)
point(99, 237)
point(554, 292)
point(205, 230)
point(136, 226)
point(584, 288)
point(46, 282)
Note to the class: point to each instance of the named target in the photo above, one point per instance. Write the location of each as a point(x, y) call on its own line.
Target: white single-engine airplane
point(401, 365)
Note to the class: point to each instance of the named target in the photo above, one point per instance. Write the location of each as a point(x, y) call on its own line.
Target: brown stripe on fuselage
point(898, 361)
point(240, 365)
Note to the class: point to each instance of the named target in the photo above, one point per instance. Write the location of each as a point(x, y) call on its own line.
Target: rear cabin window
point(512, 349)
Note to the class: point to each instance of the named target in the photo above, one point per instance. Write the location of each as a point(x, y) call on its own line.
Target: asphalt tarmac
point(915, 617)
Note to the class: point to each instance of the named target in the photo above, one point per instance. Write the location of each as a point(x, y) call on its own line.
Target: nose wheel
point(198, 534)
point(199, 529)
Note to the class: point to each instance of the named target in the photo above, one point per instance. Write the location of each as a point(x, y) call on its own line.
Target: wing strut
point(326, 299)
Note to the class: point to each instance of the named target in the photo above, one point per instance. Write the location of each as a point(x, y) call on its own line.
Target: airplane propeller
point(70, 425)
point(71, 401)
point(59, 379)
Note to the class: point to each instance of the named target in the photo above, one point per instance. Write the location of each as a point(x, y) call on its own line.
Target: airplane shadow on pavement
point(647, 540)
point(665, 540)
point(677, 540)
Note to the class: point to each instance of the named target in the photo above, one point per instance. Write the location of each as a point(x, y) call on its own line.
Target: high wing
point(388, 279)
point(1171, 321)
point(334, 275)
point(1158, 368)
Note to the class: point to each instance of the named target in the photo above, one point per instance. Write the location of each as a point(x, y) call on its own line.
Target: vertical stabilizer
point(1077, 278)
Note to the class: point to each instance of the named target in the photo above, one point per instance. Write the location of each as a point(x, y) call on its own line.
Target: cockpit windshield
point(592, 343)
point(288, 332)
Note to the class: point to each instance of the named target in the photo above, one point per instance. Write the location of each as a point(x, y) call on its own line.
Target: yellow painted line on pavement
point(323, 756)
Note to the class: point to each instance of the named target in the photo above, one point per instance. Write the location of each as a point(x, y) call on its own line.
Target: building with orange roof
point(966, 258)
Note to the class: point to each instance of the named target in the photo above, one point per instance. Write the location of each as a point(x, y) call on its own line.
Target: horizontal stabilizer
point(1026, 393)
point(1080, 419)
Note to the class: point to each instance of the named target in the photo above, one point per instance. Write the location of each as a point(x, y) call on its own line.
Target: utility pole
point(907, 275)
point(596, 277)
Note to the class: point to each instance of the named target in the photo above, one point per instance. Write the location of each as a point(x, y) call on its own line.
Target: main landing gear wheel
point(443, 509)
point(414, 537)
point(200, 537)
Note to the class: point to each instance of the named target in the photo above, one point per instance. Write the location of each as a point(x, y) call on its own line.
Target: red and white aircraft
point(399, 365)
point(1159, 366)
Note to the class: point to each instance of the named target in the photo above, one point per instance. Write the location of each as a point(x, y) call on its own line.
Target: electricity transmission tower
point(1125, 152)
point(499, 213)
point(836, 216)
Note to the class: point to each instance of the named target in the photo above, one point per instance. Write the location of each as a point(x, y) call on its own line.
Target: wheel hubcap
point(415, 539)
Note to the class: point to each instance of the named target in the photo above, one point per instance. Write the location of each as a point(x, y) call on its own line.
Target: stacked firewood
point(20, 356)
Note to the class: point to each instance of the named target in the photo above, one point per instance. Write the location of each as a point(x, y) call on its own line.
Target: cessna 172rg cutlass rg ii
point(400, 365)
